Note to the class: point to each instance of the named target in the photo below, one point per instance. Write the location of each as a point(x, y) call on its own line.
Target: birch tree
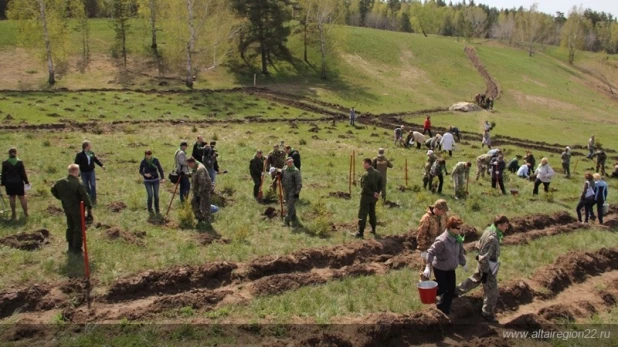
point(324, 12)
point(42, 25)
point(197, 31)
point(573, 32)
point(531, 27)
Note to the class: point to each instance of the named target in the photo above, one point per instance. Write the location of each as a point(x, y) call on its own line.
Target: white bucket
point(605, 208)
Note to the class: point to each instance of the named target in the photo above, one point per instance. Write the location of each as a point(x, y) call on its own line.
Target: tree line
point(202, 32)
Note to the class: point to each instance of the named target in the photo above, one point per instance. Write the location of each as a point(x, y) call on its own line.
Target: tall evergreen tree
point(266, 27)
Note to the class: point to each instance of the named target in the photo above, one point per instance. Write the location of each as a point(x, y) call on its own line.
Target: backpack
point(174, 175)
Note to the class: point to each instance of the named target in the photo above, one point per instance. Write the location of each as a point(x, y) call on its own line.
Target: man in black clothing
point(14, 178)
point(497, 172)
point(256, 170)
point(86, 160)
point(292, 153)
point(198, 147)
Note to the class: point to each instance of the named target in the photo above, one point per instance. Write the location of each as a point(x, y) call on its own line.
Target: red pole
point(86, 262)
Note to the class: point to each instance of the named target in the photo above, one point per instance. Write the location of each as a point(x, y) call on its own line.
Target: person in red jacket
point(427, 127)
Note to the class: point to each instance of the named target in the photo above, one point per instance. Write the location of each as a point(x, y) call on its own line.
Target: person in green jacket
point(292, 183)
point(487, 269)
point(71, 192)
point(371, 186)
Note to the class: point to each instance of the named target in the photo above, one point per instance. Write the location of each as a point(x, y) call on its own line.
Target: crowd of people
point(439, 237)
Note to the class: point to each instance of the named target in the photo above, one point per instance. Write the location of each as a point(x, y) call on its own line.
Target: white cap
point(568, 148)
point(429, 152)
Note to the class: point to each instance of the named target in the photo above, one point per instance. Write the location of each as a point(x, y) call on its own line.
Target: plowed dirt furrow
point(492, 91)
point(223, 282)
point(521, 307)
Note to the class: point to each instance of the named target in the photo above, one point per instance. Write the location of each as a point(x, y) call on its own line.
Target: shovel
point(261, 193)
point(172, 200)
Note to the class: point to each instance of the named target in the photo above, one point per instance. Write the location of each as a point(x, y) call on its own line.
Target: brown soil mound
point(26, 299)
point(529, 322)
point(115, 233)
point(277, 284)
point(391, 204)
point(270, 212)
point(208, 239)
point(171, 281)
point(334, 257)
point(539, 221)
point(54, 211)
point(512, 296)
point(326, 340)
point(340, 195)
point(27, 241)
point(416, 328)
point(469, 233)
point(576, 267)
point(117, 206)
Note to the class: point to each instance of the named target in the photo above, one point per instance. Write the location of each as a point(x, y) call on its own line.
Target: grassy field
point(325, 168)
point(43, 107)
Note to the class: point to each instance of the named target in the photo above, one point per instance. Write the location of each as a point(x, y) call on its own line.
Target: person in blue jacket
point(600, 194)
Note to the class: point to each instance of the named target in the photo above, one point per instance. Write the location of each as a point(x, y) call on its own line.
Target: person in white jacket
point(448, 143)
point(544, 174)
point(418, 138)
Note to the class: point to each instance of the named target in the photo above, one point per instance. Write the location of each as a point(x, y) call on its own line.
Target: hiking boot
point(373, 232)
point(358, 235)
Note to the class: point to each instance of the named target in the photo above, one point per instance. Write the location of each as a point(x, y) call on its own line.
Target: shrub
point(194, 129)
point(302, 142)
point(186, 220)
point(215, 137)
point(319, 208)
point(321, 226)
point(46, 143)
point(242, 233)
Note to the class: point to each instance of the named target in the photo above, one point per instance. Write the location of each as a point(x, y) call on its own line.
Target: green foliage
point(265, 27)
point(122, 12)
point(186, 219)
point(46, 143)
point(321, 226)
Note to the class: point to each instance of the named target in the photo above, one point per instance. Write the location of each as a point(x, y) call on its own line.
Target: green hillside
point(543, 98)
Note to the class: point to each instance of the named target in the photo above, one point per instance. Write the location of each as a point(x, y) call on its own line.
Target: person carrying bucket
point(487, 269)
point(444, 255)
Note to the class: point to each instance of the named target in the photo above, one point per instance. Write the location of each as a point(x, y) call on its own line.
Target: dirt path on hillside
point(493, 90)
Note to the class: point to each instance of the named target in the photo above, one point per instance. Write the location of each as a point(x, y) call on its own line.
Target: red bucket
point(428, 291)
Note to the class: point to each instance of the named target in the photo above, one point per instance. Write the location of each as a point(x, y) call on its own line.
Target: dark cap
point(183, 143)
point(12, 150)
point(213, 143)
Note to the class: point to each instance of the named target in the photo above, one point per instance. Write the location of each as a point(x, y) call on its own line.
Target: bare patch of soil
point(27, 241)
point(117, 206)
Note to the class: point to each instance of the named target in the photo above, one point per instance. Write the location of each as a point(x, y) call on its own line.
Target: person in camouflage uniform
point(431, 158)
point(292, 183)
point(432, 224)
point(382, 164)
point(438, 169)
point(275, 161)
point(482, 165)
point(461, 174)
point(566, 161)
point(71, 192)
point(202, 189)
point(371, 184)
point(489, 251)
